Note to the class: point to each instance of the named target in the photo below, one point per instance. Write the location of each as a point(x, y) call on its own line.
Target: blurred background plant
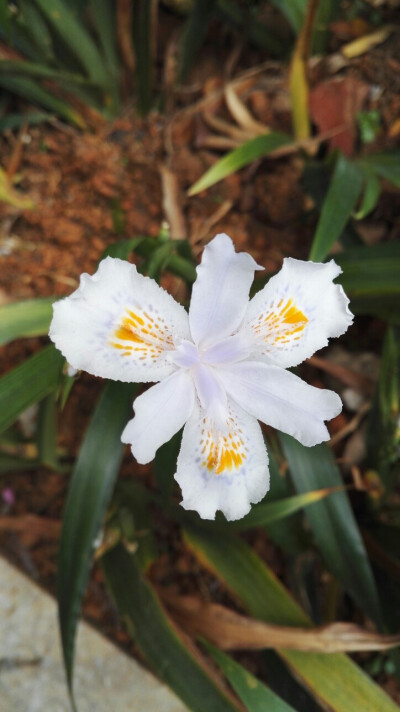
point(324, 544)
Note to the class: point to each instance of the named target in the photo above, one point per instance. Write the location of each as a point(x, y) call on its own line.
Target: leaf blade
point(30, 317)
point(253, 693)
point(93, 477)
point(29, 383)
point(333, 679)
point(238, 158)
point(157, 637)
point(343, 192)
point(333, 523)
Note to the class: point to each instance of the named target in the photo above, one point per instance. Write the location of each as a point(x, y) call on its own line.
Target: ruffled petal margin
point(297, 312)
point(119, 324)
point(222, 471)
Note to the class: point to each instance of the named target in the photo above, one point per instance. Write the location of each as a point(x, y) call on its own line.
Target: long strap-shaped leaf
point(254, 694)
point(371, 280)
point(90, 489)
point(157, 637)
point(75, 37)
point(334, 679)
point(28, 383)
point(30, 317)
point(343, 192)
point(238, 158)
point(32, 91)
point(332, 522)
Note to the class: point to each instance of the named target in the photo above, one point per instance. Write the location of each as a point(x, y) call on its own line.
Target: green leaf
point(333, 523)
point(92, 481)
point(385, 165)
point(32, 22)
point(103, 14)
point(74, 36)
point(31, 91)
point(30, 317)
point(133, 497)
point(158, 261)
point(182, 268)
point(164, 465)
point(41, 71)
point(343, 192)
point(294, 11)
point(371, 279)
point(28, 383)
point(13, 463)
point(383, 438)
point(30, 118)
point(268, 512)
point(47, 431)
point(371, 193)
point(5, 16)
point(158, 639)
point(254, 694)
point(121, 249)
point(194, 34)
point(247, 22)
point(243, 155)
point(142, 27)
point(333, 679)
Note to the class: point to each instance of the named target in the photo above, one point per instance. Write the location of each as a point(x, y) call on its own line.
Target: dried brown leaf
point(229, 630)
point(242, 115)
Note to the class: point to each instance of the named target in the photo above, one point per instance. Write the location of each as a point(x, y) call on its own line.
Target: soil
point(92, 189)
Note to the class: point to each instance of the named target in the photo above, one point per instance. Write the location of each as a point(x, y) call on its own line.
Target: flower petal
point(119, 324)
point(226, 471)
point(221, 291)
point(281, 399)
point(296, 312)
point(159, 413)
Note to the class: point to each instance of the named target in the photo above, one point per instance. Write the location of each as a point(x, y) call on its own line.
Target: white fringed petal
point(297, 312)
point(221, 291)
point(281, 399)
point(159, 413)
point(119, 324)
point(226, 472)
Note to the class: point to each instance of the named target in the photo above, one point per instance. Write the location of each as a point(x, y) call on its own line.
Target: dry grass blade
point(367, 42)
point(205, 227)
point(124, 34)
point(218, 143)
point(342, 373)
point(351, 426)
point(298, 85)
point(227, 129)
point(241, 114)
point(172, 204)
point(231, 631)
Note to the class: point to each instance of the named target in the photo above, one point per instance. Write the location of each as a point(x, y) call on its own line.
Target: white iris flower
point(220, 367)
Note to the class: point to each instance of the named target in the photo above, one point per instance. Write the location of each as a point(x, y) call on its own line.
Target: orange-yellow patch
point(142, 334)
point(283, 324)
point(222, 453)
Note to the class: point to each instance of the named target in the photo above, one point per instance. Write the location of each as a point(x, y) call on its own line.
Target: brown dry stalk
point(346, 375)
point(232, 631)
point(172, 205)
point(241, 114)
point(124, 34)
